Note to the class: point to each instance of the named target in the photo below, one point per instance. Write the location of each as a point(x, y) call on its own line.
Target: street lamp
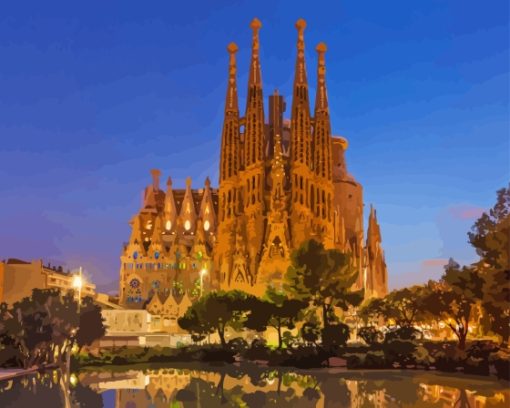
point(77, 284)
point(203, 271)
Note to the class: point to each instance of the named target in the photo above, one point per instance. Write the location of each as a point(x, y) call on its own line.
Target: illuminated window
point(156, 255)
point(149, 225)
point(168, 225)
point(207, 210)
point(187, 225)
point(135, 255)
point(207, 225)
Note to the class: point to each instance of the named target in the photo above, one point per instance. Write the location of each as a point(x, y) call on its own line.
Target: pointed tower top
point(300, 76)
point(169, 182)
point(321, 98)
point(301, 25)
point(232, 48)
point(155, 178)
point(188, 182)
point(255, 24)
point(207, 182)
point(255, 76)
point(231, 100)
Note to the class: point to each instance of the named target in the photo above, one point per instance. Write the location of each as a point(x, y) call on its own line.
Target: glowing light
point(207, 225)
point(187, 225)
point(77, 282)
point(168, 225)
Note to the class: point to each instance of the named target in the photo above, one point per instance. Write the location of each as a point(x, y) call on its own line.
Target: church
point(281, 181)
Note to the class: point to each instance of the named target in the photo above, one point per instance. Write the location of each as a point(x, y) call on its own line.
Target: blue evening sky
point(94, 94)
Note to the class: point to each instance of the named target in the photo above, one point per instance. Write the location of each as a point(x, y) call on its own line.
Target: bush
point(355, 360)
point(476, 365)
point(370, 335)
point(403, 333)
point(450, 359)
point(400, 352)
point(375, 359)
point(501, 363)
point(482, 349)
point(422, 357)
point(237, 344)
point(335, 335)
point(306, 357)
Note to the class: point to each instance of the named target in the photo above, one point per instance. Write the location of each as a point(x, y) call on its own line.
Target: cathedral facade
point(281, 182)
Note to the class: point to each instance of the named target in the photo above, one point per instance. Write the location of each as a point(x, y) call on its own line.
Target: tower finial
point(255, 76)
point(155, 178)
point(321, 99)
point(300, 63)
point(231, 101)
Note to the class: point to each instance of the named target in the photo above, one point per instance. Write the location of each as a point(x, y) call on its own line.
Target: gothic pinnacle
point(300, 63)
point(255, 79)
point(321, 99)
point(231, 102)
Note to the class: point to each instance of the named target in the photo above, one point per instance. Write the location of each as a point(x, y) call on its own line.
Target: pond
point(250, 386)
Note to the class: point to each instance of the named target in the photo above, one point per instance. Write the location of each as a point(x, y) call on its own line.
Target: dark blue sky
point(94, 94)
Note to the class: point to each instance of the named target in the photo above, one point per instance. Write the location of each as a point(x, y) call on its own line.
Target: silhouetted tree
point(91, 325)
point(453, 298)
point(216, 311)
point(276, 310)
point(323, 277)
point(490, 237)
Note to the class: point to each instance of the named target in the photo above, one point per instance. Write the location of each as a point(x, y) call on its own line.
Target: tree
point(276, 311)
point(404, 306)
point(91, 325)
point(44, 327)
point(371, 309)
point(491, 233)
point(452, 299)
point(323, 277)
point(215, 312)
point(490, 237)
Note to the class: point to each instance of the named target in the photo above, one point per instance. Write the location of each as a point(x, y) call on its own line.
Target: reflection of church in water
point(281, 182)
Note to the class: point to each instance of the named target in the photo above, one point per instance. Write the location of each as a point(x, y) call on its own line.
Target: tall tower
point(376, 280)
point(322, 190)
point(230, 164)
point(300, 148)
point(253, 175)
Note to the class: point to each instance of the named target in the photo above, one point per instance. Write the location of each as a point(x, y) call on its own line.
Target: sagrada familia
point(281, 182)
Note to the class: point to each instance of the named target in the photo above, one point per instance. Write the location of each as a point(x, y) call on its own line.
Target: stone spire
point(300, 115)
point(322, 128)
point(254, 127)
point(229, 162)
point(188, 214)
point(377, 274)
point(170, 210)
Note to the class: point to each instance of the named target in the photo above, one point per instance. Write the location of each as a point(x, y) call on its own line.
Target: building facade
point(18, 278)
point(281, 181)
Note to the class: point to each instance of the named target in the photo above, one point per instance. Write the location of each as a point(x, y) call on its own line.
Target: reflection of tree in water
point(46, 390)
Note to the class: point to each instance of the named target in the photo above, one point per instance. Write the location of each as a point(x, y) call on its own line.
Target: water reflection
point(253, 387)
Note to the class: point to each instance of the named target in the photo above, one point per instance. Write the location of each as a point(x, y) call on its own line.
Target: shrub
point(482, 349)
point(399, 351)
point(501, 362)
point(237, 344)
point(476, 365)
point(370, 335)
point(355, 360)
point(449, 359)
point(306, 357)
point(422, 357)
point(375, 359)
point(403, 333)
point(335, 335)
